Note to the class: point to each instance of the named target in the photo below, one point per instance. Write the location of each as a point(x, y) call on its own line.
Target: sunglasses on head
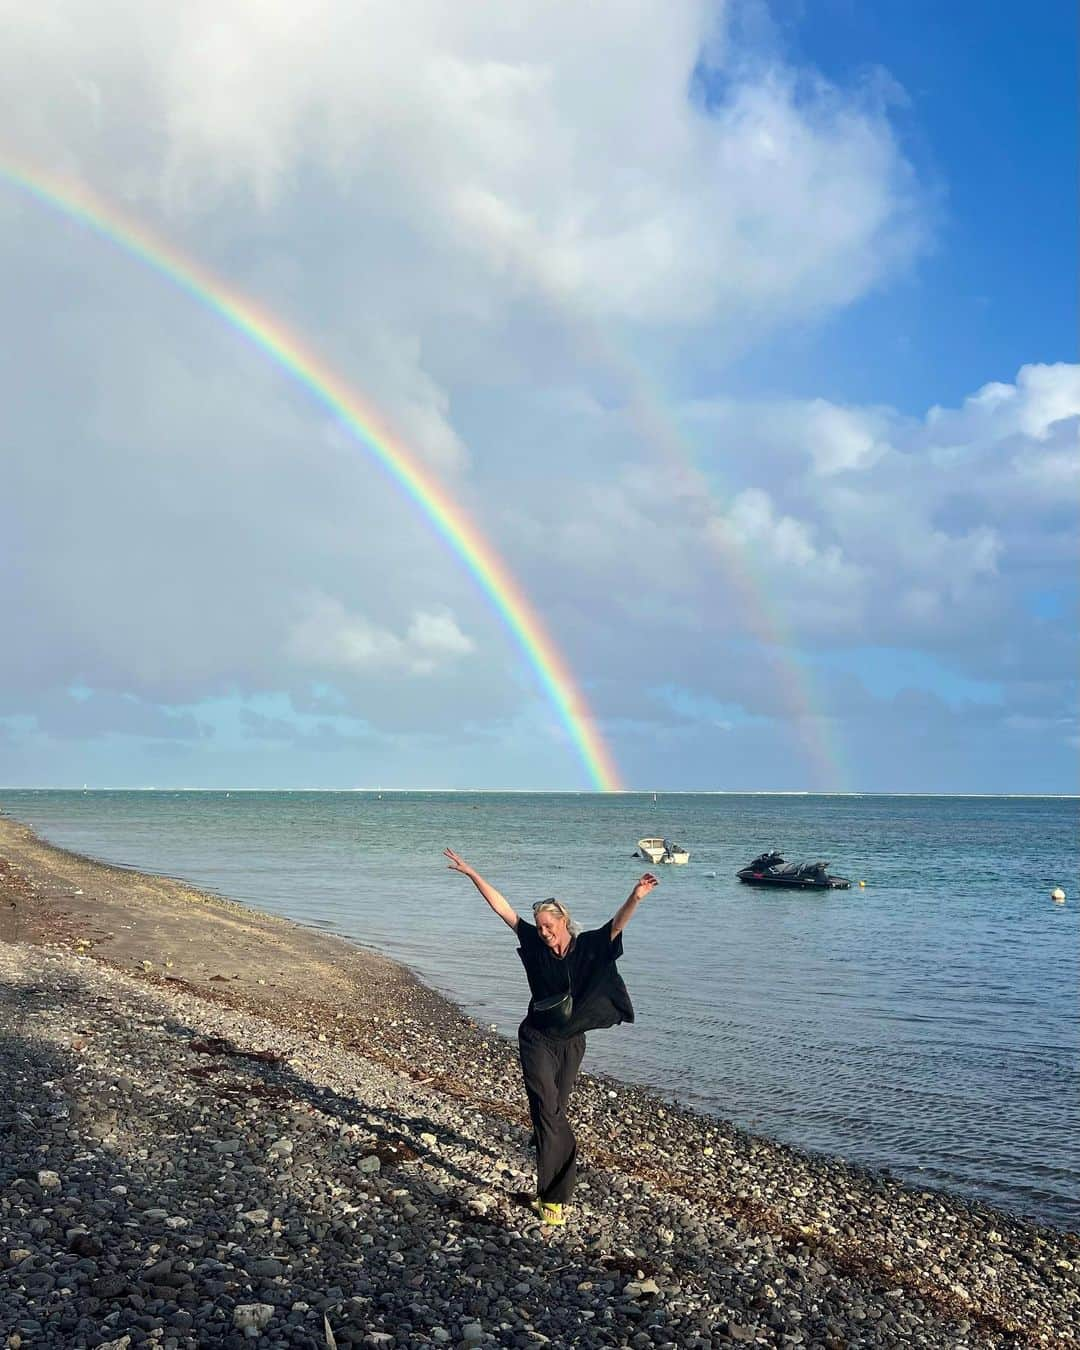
point(553, 903)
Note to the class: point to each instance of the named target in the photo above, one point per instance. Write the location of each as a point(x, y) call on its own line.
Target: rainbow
point(649, 411)
point(825, 757)
point(269, 334)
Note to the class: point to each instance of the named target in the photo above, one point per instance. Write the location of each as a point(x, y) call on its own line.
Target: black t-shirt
point(588, 966)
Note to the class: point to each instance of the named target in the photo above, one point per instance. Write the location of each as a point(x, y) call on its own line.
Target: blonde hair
point(553, 906)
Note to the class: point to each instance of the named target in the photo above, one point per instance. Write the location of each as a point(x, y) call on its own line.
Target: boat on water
point(661, 851)
point(771, 869)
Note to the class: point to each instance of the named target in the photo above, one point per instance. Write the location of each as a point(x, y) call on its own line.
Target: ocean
point(928, 1023)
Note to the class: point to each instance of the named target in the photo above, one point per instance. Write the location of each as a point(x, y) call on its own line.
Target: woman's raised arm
point(495, 899)
point(622, 915)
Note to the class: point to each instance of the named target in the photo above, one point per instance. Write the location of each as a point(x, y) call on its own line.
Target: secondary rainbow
point(816, 731)
point(267, 332)
point(650, 411)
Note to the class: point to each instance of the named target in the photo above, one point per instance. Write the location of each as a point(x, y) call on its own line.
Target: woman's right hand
point(457, 864)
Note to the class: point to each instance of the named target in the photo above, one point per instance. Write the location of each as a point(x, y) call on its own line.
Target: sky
point(743, 336)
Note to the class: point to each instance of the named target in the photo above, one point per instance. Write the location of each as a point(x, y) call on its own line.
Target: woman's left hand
point(645, 884)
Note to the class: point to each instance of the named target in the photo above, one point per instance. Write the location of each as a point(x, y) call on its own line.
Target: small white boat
point(662, 851)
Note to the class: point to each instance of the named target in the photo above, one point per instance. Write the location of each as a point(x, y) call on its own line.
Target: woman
point(575, 988)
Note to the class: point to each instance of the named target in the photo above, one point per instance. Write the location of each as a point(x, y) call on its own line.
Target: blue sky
point(755, 360)
point(984, 110)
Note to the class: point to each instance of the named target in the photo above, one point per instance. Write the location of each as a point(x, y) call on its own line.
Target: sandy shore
point(222, 1128)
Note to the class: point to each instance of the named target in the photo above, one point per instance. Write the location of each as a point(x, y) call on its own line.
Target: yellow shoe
point(551, 1214)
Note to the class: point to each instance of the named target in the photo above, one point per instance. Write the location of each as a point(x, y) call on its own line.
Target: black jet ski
point(770, 869)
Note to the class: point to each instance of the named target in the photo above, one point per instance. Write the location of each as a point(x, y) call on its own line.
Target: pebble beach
point(220, 1128)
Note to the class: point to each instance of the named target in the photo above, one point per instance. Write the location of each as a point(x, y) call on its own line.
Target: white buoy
point(1057, 895)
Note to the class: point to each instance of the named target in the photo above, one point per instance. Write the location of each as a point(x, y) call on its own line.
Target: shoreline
point(862, 1239)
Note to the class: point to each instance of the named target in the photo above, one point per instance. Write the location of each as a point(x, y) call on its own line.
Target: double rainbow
point(449, 519)
point(649, 411)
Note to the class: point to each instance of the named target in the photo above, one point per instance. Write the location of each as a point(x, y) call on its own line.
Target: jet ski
point(770, 869)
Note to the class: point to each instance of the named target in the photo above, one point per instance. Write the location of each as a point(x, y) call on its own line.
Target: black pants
point(549, 1065)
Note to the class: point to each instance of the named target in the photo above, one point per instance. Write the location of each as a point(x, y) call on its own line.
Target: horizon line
point(574, 792)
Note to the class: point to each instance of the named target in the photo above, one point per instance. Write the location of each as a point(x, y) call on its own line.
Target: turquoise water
point(928, 1023)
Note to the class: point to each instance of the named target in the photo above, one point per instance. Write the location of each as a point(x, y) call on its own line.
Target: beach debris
point(48, 1181)
point(269, 1267)
point(331, 1341)
point(640, 1288)
point(252, 1317)
point(201, 1071)
point(479, 1204)
point(212, 1045)
point(218, 1045)
point(629, 1263)
point(391, 1152)
point(740, 1331)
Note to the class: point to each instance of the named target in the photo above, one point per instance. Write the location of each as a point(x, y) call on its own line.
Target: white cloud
point(752, 524)
point(1042, 396)
point(807, 435)
point(850, 524)
point(439, 634)
point(328, 639)
point(557, 151)
point(840, 439)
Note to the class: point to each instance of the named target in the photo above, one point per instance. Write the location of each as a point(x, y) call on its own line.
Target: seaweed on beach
point(218, 1045)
